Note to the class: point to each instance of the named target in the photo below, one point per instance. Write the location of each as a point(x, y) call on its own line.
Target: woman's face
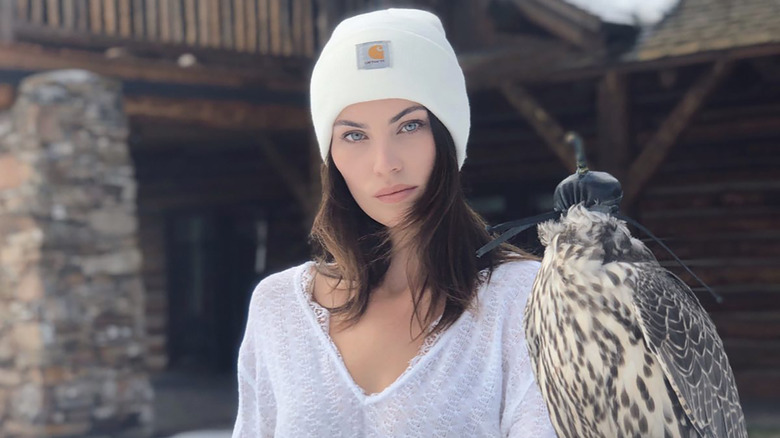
point(385, 151)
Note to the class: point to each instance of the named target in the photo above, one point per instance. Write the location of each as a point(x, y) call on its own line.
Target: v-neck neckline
point(317, 314)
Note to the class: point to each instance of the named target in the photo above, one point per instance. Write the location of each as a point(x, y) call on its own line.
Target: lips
point(392, 190)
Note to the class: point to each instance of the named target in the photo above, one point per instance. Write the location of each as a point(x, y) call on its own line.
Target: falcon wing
point(682, 336)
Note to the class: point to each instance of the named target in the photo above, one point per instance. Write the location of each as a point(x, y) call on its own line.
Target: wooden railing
point(268, 27)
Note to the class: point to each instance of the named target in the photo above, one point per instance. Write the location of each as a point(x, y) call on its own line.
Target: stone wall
point(71, 296)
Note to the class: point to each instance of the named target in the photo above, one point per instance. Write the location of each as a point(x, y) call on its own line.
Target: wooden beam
point(485, 70)
point(544, 124)
point(613, 125)
point(292, 177)
point(33, 57)
point(559, 25)
point(656, 149)
point(219, 114)
point(768, 68)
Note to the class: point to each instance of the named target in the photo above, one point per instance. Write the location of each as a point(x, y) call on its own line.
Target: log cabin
point(685, 112)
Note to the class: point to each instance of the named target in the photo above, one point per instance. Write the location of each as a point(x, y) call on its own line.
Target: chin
point(389, 220)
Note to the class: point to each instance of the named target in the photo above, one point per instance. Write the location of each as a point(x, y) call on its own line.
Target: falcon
point(620, 346)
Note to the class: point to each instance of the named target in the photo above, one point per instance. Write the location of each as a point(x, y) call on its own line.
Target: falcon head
point(597, 191)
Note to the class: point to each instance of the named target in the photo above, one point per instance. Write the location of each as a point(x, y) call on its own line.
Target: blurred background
point(157, 160)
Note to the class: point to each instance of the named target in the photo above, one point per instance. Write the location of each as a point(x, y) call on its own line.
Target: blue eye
point(412, 126)
point(353, 136)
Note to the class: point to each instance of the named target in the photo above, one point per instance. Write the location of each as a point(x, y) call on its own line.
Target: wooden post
point(264, 26)
point(215, 37)
point(36, 13)
point(297, 27)
point(124, 19)
point(177, 21)
point(82, 15)
point(165, 21)
point(138, 19)
point(613, 125)
point(22, 9)
point(152, 22)
point(251, 26)
point(191, 23)
point(69, 15)
point(109, 15)
point(541, 121)
point(204, 30)
point(227, 24)
point(308, 28)
point(276, 35)
point(239, 29)
point(95, 16)
point(52, 13)
point(286, 28)
point(654, 152)
point(7, 21)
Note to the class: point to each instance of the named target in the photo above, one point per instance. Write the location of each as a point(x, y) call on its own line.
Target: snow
point(641, 12)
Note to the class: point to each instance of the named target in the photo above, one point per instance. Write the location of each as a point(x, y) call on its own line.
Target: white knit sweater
point(472, 380)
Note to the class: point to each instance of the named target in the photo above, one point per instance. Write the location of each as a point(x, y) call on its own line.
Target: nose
point(386, 159)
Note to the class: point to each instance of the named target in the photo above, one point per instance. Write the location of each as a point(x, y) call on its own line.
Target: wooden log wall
point(191, 169)
point(187, 172)
point(268, 27)
point(715, 199)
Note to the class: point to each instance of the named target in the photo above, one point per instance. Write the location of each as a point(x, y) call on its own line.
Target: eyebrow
point(405, 112)
point(395, 118)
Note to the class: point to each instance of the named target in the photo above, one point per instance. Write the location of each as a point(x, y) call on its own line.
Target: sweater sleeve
point(524, 411)
point(256, 415)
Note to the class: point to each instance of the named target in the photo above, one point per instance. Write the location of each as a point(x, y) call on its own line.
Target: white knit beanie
point(390, 54)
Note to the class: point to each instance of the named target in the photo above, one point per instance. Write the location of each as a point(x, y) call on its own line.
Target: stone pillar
point(71, 297)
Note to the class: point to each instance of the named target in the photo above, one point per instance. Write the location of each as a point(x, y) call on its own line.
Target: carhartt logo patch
point(375, 54)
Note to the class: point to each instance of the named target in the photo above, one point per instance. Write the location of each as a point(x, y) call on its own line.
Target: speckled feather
point(619, 345)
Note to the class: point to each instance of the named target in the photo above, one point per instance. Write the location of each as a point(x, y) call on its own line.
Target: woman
point(396, 329)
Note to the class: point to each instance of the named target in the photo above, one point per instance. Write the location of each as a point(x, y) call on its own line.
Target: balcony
point(279, 28)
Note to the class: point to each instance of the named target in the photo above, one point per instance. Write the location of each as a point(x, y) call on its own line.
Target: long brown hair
point(355, 249)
